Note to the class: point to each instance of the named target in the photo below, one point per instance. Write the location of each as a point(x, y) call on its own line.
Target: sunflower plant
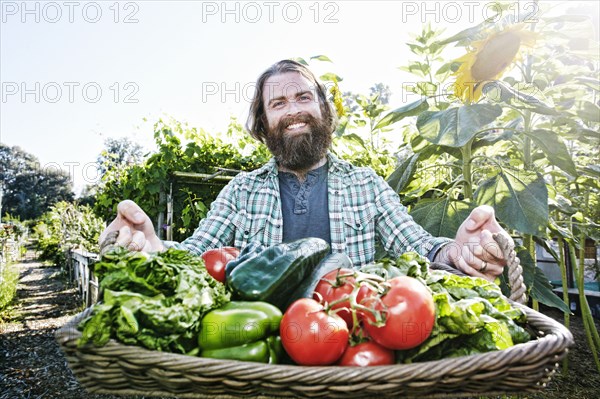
point(517, 130)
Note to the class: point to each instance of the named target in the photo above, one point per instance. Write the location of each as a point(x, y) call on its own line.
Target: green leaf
point(427, 150)
point(592, 170)
point(589, 112)
point(448, 67)
point(300, 60)
point(555, 149)
point(455, 127)
point(501, 91)
point(465, 34)
point(331, 77)
point(412, 109)
point(593, 84)
point(441, 217)
point(519, 197)
point(321, 58)
point(539, 286)
point(403, 173)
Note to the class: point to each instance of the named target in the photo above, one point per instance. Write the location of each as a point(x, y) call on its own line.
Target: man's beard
point(298, 152)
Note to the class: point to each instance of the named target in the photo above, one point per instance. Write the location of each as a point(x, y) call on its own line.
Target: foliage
point(515, 147)
point(179, 149)
point(119, 153)
point(29, 188)
point(67, 226)
point(152, 300)
point(12, 232)
point(9, 277)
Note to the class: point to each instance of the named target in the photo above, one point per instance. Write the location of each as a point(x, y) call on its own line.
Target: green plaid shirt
point(362, 208)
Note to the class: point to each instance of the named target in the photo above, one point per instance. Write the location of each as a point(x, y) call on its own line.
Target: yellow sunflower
point(487, 60)
point(338, 101)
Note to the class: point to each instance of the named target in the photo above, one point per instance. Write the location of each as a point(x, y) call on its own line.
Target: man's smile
point(296, 126)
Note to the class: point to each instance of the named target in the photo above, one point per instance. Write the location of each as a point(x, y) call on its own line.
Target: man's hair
point(257, 120)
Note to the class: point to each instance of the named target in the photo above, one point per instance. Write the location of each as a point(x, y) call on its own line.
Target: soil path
point(32, 365)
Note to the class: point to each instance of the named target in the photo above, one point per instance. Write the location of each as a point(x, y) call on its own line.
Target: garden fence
point(80, 274)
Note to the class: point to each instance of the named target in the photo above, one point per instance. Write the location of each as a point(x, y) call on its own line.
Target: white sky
point(76, 72)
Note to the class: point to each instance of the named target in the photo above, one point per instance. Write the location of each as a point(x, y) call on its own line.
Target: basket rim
point(555, 340)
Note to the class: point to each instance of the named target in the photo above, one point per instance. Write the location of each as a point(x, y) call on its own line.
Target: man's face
point(296, 133)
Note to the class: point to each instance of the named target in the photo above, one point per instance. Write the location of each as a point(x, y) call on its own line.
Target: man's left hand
point(475, 252)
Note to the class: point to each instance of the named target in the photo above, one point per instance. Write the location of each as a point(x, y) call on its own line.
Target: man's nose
point(293, 108)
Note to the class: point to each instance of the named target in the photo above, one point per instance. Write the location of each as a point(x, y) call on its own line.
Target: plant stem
point(590, 329)
point(565, 292)
point(529, 244)
point(466, 169)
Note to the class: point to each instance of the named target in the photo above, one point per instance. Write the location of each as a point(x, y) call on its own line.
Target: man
point(306, 191)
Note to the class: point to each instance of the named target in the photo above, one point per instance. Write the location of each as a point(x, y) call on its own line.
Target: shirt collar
point(334, 165)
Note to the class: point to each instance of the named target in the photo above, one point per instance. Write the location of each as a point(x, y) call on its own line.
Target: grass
point(8, 288)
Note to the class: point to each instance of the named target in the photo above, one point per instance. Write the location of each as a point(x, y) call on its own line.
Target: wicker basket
point(131, 370)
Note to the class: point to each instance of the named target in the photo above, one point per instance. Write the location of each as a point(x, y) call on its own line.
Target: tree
point(118, 153)
point(29, 189)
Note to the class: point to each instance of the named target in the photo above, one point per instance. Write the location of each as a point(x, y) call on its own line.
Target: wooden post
point(161, 215)
point(170, 214)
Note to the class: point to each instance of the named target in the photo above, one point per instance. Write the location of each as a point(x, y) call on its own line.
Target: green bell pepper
point(242, 331)
point(271, 274)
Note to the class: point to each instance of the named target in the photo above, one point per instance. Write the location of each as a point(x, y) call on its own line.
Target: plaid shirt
point(362, 207)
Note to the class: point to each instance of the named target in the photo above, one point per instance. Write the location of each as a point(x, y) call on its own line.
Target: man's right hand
point(136, 232)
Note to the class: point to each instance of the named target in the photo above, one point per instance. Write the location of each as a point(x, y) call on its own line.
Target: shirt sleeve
point(397, 230)
point(217, 229)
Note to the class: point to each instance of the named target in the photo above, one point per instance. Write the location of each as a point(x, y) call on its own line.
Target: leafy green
point(152, 300)
point(472, 315)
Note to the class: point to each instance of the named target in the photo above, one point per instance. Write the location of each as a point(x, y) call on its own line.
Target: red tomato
point(311, 336)
point(216, 259)
point(367, 354)
point(337, 285)
point(410, 315)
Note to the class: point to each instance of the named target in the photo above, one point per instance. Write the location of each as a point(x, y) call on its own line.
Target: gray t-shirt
point(304, 205)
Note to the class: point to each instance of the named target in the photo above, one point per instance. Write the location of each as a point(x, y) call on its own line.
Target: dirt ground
point(32, 365)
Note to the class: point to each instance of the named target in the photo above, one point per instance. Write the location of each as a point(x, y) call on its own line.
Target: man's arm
point(397, 230)
point(473, 251)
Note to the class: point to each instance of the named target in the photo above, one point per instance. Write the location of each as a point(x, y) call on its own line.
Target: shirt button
point(358, 225)
point(246, 232)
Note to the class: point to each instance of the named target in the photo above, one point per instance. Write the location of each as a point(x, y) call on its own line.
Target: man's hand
point(136, 232)
point(474, 251)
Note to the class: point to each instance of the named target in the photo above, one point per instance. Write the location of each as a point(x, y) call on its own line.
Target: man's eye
point(305, 98)
point(277, 104)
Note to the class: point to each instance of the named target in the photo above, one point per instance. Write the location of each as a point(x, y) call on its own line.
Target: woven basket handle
point(109, 242)
point(515, 271)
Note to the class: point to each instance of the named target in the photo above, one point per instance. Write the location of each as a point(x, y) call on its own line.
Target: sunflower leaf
point(454, 127)
point(441, 217)
point(554, 148)
point(412, 109)
point(520, 199)
point(403, 173)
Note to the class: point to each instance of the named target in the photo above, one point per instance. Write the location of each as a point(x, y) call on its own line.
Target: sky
point(74, 73)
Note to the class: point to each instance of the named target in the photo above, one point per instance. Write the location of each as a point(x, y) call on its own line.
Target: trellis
point(191, 178)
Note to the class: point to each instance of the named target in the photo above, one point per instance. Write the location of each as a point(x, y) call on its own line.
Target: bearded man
point(305, 191)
